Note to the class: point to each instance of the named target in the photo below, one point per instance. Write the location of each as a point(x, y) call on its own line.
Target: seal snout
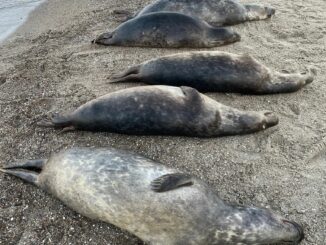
point(270, 119)
point(270, 11)
point(298, 228)
point(309, 79)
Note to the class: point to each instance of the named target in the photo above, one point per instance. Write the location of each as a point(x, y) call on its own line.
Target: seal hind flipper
point(28, 176)
point(170, 182)
point(28, 171)
point(130, 75)
point(57, 121)
point(67, 129)
point(32, 165)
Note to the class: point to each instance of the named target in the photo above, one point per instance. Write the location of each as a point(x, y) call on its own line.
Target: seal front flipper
point(193, 98)
point(170, 182)
point(191, 94)
point(27, 171)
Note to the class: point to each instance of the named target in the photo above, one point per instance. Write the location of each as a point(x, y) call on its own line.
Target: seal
point(215, 12)
point(162, 110)
point(158, 204)
point(214, 71)
point(168, 30)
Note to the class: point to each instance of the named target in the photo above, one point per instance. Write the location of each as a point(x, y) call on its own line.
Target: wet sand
point(49, 66)
point(13, 13)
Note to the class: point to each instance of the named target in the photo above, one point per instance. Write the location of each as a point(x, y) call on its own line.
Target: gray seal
point(214, 71)
point(160, 205)
point(168, 30)
point(162, 110)
point(215, 12)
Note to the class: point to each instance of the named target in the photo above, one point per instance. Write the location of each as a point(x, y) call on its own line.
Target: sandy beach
point(49, 65)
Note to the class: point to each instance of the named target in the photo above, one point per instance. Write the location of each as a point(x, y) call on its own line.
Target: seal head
point(261, 226)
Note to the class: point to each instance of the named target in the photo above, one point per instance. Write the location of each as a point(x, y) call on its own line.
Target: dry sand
point(50, 66)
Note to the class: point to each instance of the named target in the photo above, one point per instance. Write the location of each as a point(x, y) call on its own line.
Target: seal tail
point(130, 75)
point(28, 171)
point(56, 121)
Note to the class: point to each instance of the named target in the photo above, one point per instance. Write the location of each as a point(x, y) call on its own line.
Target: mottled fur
point(168, 30)
point(214, 71)
point(115, 187)
point(215, 12)
point(163, 110)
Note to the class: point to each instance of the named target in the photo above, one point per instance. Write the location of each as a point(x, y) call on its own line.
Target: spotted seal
point(215, 12)
point(162, 110)
point(160, 205)
point(215, 71)
point(168, 30)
